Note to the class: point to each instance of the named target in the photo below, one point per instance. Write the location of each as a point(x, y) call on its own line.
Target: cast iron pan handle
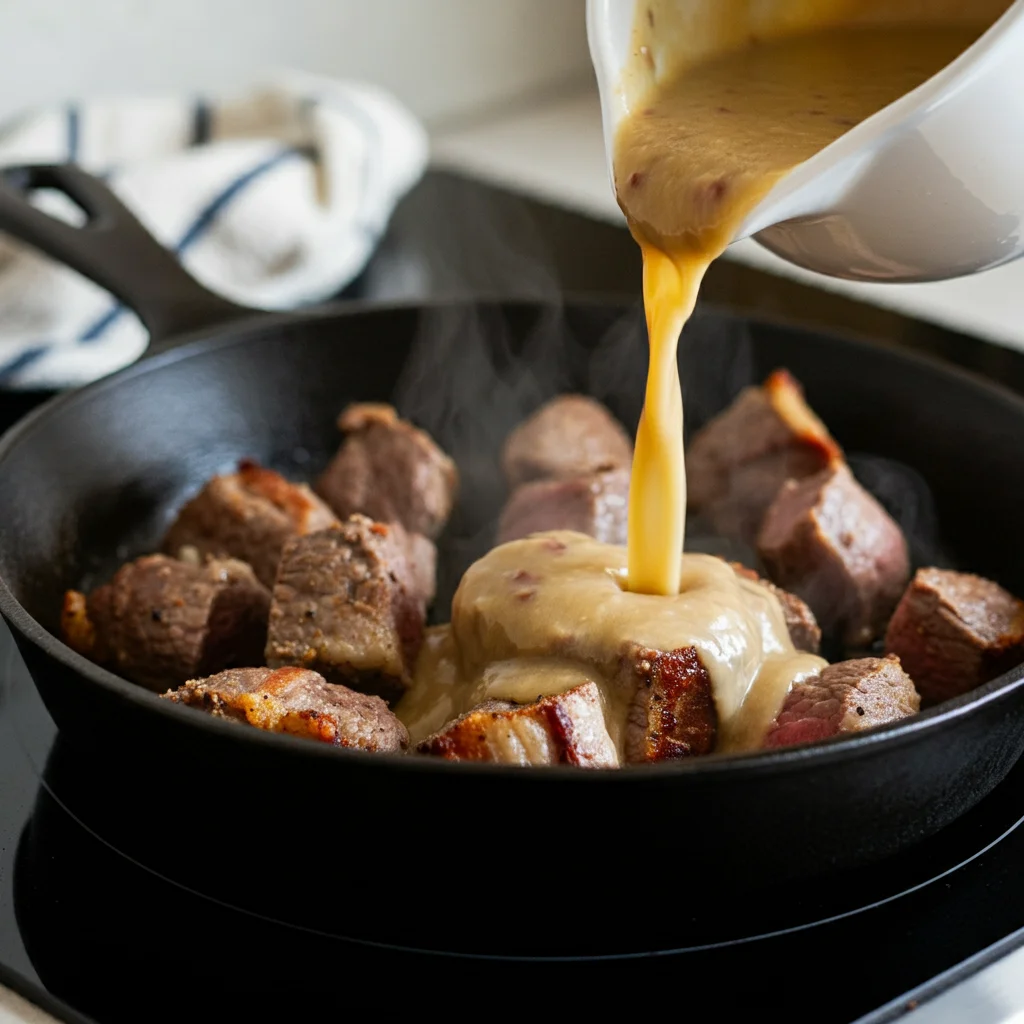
point(113, 249)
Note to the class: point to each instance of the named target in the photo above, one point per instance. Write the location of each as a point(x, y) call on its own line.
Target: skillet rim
point(713, 766)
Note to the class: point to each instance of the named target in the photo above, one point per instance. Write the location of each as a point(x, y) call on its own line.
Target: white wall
point(444, 58)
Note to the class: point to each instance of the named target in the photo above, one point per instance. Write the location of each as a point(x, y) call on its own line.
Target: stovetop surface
point(94, 934)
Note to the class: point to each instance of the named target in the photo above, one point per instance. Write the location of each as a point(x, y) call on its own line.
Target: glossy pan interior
point(94, 476)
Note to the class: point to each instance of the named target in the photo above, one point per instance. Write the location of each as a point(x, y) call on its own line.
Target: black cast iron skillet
point(392, 843)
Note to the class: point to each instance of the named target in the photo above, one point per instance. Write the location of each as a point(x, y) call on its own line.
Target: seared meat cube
point(420, 559)
point(159, 621)
point(344, 605)
point(248, 515)
point(389, 470)
point(736, 464)
point(953, 631)
point(847, 697)
point(297, 702)
point(804, 631)
point(568, 728)
point(570, 436)
point(673, 714)
point(830, 542)
point(596, 505)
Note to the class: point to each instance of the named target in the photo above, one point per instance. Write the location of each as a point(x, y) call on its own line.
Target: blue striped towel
point(274, 200)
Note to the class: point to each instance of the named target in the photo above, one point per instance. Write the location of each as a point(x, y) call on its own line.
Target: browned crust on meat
point(804, 631)
point(787, 399)
point(954, 631)
point(465, 739)
point(563, 729)
point(247, 515)
point(159, 621)
point(846, 697)
point(390, 470)
point(294, 500)
point(362, 415)
point(297, 702)
point(829, 540)
point(469, 737)
point(673, 714)
point(345, 604)
point(737, 462)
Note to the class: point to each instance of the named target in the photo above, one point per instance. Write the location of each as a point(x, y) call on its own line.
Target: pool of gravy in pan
point(713, 125)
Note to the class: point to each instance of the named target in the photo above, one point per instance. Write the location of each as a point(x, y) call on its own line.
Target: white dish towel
point(273, 200)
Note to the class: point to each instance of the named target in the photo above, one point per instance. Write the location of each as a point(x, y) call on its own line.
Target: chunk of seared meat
point(673, 713)
point(389, 470)
point(160, 621)
point(568, 728)
point(570, 436)
point(420, 555)
point(830, 542)
point(345, 604)
point(248, 515)
point(736, 464)
point(297, 702)
point(804, 631)
point(850, 696)
point(953, 631)
point(596, 505)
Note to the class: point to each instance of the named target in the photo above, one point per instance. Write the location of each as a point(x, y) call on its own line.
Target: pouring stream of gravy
point(700, 148)
point(696, 157)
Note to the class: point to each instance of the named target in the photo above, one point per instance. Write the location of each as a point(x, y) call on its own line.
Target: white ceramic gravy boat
point(930, 187)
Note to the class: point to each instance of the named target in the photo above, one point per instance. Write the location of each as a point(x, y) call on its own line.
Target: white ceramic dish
point(930, 187)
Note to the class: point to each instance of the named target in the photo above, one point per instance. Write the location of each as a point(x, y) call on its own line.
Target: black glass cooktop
point(92, 930)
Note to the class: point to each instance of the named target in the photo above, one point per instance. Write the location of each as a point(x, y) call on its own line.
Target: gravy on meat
point(541, 615)
point(706, 139)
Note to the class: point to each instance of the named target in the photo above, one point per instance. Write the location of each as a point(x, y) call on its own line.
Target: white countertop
point(553, 150)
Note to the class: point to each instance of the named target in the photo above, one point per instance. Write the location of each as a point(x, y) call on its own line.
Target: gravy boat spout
point(930, 187)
